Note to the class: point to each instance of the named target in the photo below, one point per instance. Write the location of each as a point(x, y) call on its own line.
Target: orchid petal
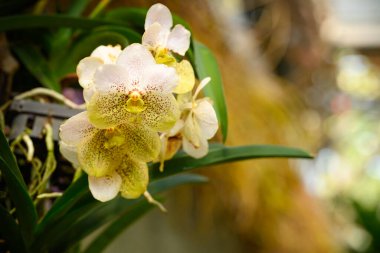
point(112, 78)
point(86, 70)
point(159, 78)
point(186, 77)
point(135, 178)
point(162, 111)
point(69, 152)
point(108, 54)
point(105, 188)
point(108, 110)
point(76, 129)
point(161, 14)
point(191, 130)
point(136, 59)
point(88, 93)
point(195, 151)
point(176, 128)
point(141, 143)
point(154, 36)
point(101, 154)
point(201, 85)
point(206, 118)
point(179, 40)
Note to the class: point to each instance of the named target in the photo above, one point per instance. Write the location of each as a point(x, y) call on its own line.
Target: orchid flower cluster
point(140, 108)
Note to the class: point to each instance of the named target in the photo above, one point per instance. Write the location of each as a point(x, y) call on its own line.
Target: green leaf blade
point(11, 232)
point(25, 209)
point(221, 154)
point(207, 66)
point(37, 66)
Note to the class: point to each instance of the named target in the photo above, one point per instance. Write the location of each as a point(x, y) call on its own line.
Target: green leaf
point(21, 22)
point(206, 65)
point(112, 231)
point(221, 154)
point(37, 65)
point(11, 232)
point(83, 47)
point(77, 7)
point(25, 210)
point(63, 204)
point(81, 221)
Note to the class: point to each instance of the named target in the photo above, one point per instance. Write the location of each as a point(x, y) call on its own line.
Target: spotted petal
point(109, 110)
point(101, 154)
point(159, 13)
point(76, 129)
point(142, 143)
point(135, 178)
point(136, 59)
point(162, 111)
point(179, 40)
point(105, 188)
point(112, 78)
point(159, 78)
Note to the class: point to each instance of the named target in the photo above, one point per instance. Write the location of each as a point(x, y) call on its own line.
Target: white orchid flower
point(135, 90)
point(200, 123)
point(115, 156)
point(87, 67)
point(159, 39)
point(158, 34)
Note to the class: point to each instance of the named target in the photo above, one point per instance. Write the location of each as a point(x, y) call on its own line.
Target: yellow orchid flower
point(134, 90)
point(115, 157)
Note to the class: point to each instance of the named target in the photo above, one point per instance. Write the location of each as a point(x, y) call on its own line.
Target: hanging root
point(151, 200)
point(53, 94)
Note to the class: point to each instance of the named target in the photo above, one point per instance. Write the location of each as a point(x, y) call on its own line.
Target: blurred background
point(300, 73)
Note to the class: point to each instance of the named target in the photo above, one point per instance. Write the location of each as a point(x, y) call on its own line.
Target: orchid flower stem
point(50, 93)
point(151, 200)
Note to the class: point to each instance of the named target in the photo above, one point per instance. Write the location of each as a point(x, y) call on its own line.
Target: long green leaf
point(25, 210)
point(73, 228)
point(121, 223)
point(77, 7)
point(221, 154)
point(21, 22)
point(84, 46)
point(37, 65)
point(63, 204)
point(112, 231)
point(206, 65)
point(11, 232)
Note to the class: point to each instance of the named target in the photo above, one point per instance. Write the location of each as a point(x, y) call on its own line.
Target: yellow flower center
point(163, 56)
point(114, 138)
point(135, 104)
